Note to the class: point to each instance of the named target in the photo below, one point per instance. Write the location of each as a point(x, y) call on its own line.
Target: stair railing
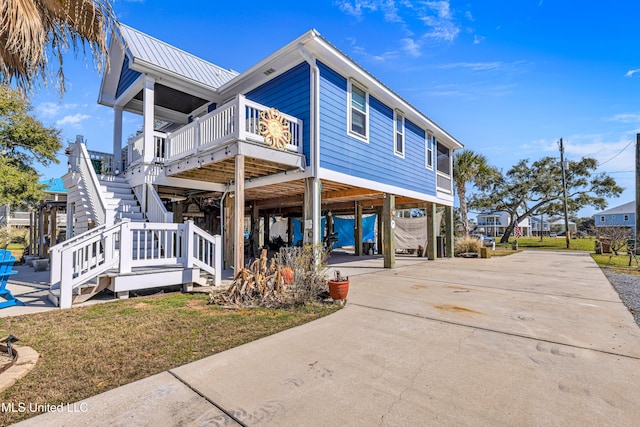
point(80, 162)
point(127, 245)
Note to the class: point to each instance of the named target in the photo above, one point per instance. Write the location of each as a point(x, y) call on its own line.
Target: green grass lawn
point(560, 243)
point(610, 260)
point(89, 350)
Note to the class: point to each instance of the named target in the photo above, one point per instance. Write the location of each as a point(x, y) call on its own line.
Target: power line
point(617, 154)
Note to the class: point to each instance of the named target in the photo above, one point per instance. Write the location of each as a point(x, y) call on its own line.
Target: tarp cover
point(411, 233)
point(343, 225)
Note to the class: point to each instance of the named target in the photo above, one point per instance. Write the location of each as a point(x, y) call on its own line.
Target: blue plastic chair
point(6, 264)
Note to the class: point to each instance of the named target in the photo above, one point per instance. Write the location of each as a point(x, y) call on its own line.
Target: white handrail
point(156, 211)
point(81, 162)
point(126, 245)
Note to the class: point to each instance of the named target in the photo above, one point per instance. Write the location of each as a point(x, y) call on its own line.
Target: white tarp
point(278, 228)
point(411, 233)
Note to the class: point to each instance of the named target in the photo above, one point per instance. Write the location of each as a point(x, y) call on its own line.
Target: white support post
point(217, 259)
point(55, 266)
point(148, 122)
point(196, 134)
point(66, 281)
point(189, 244)
point(125, 247)
point(117, 139)
point(240, 118)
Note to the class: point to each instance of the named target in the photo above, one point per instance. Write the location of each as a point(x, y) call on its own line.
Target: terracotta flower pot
point(338, 290)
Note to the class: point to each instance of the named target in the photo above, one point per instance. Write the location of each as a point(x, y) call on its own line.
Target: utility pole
point(637, 227)
point(564, 192)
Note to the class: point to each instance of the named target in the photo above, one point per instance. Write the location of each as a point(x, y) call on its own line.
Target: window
point(602, 218)
point(399, 132)
point(359, 111)
point(429, 151)
point(444, 159)
point(626, 217)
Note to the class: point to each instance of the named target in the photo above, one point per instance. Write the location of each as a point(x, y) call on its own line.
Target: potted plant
point(339, 287)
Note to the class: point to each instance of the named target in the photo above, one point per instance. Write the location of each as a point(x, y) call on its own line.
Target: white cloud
point(431, 20)
point(437, 16)
point(411, 47)
point(475, 66)
point(626, 118)
point(357, 7)
point(50, 110)
point(630, 73)
point(72, 120)
point(477, 39)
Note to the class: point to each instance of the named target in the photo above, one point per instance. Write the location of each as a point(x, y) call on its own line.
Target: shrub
point(467, 245)
point(294, 276)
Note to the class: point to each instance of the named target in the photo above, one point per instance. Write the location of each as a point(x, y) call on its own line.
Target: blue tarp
point(344, 228)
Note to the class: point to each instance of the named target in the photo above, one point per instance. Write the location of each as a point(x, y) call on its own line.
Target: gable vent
point(269, 71)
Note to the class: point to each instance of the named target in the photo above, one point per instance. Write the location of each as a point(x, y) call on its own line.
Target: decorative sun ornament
point(275, 128)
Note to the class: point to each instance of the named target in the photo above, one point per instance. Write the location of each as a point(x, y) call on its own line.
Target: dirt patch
point(456, 309)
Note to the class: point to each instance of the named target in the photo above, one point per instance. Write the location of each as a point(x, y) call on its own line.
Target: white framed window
point(626, 217)
point(358, 112)
point(602, 218)
point(444, 159)
point(429, 151)
point(398, 145)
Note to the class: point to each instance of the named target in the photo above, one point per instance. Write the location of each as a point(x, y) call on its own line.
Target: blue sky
point(507, 79)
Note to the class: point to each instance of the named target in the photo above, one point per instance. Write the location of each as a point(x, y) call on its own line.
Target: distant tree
point(469, 168)
point(585, 224)
point(528, 188)
point(30, 29)
point(24, 141)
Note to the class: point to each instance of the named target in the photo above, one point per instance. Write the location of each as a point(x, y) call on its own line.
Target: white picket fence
point(122, 247)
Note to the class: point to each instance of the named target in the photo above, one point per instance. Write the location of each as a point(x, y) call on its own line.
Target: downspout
point(315, 141)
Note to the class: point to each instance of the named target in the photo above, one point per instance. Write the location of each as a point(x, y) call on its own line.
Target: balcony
point(236, 121)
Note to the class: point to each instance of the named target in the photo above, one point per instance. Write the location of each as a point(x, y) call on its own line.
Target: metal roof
point(145, 48)
point(627, 208)
point(54, 185)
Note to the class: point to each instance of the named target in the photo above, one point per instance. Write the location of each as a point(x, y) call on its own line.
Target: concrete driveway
point(536, 338)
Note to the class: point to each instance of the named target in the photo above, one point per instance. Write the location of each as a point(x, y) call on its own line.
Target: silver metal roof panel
point(145, 48)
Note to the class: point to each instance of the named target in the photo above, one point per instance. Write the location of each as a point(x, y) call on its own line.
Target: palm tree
point(469, 167)
point(30, 30)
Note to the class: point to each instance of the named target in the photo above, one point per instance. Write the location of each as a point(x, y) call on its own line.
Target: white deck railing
point(121, 247)
point(237, 119)
point(135, 149)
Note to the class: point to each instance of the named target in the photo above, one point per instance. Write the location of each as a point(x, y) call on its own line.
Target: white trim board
point(385, 188)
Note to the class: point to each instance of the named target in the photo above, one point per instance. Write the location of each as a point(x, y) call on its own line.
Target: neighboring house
point(54, 191)
point(496, 223)
point(619, 216)
point(538, 225)
point(303, 132)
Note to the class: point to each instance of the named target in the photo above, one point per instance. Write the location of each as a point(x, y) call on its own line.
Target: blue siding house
point(304, 133)
point(619, 216)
